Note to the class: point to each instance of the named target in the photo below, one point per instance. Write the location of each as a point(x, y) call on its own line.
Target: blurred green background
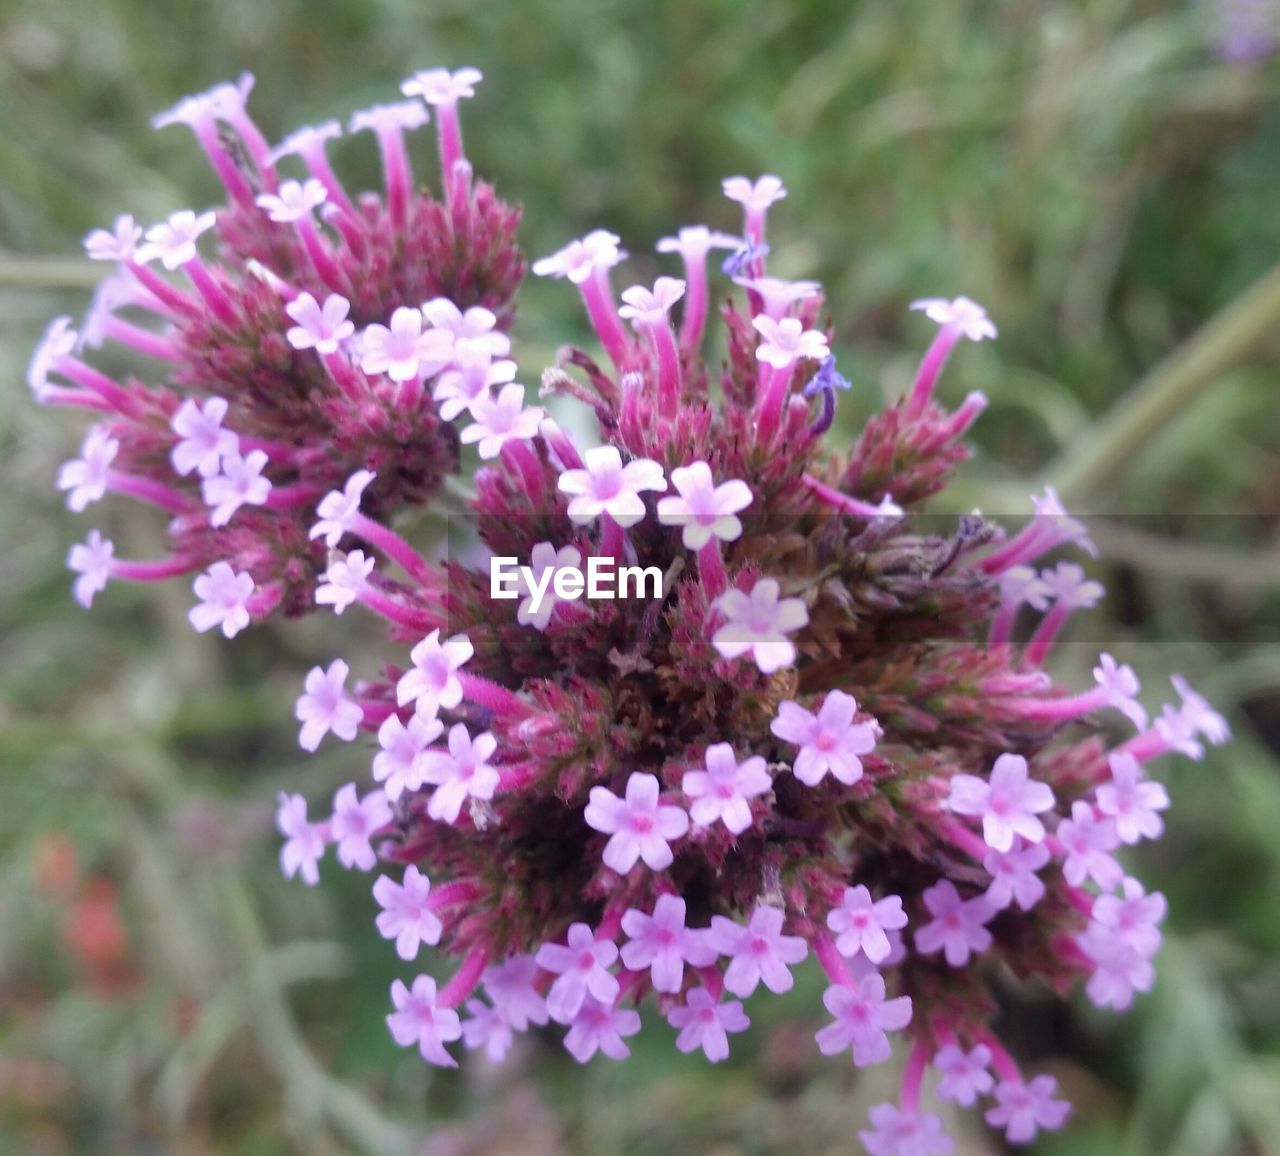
point(1093, 171)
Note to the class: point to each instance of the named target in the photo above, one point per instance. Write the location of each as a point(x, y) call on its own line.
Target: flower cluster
point(300, 334)
point(829, 735)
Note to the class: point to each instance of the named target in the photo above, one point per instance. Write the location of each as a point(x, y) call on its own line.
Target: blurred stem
point(1102, 456)
point(25, 272)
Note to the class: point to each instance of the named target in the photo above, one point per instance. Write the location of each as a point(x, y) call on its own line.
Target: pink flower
point(440, 86)
point(900, 1132)
point(514, 993)
point(1013, 875)
point(403, 351)
point(354, 822)
point(662, 943)
point(471, 374)
point(500, 420)
point(722, 791)
point(694, 242)
point(704, 1023)
point(704, 509)
point(59, 341)
point(1021, 585)
point(433, 683)
point(542, 558)
point(1070, 587)
point(325, 707)
point(637, 826)
point(760, 953)
point(964, 1074)
point(381, 119)
point(1023, 1109)
point(293, 201)
point(600, 1027)
point(967, 317)
point(778, 295)
point(224, 600)
point(606, 486)
point(406, 914)
point(464, 773)
point(1121, 687)
point(829, 742)
point(239, 484)
point(174, 240)
point(861, 924)
point(304, 841)
point(224, 101)
point(1008, 803)
point(418, 1019)
point(204, 442)
point(476, 324)
point(644, 307)
point(1089, 841)
point(1199, 715)
point(958, 925)
point(1133, 919)
point(754, 195)
point(582, 968)
point(322, 328)
point(338, 509)
point(92, 560)
point(401, 765)
point(578, 260)
point(787, 341)
point(86, 476)
point(1119, 970)
point(344, 580)
point(1132, 800)
point(309, 140)
point(486, 1029)
point(757, 623)
point(1060, 527)
point(118, 244)
point(862, 1017)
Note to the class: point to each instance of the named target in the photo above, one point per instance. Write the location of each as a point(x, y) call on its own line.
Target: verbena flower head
point(282, 343)
point(812, 735)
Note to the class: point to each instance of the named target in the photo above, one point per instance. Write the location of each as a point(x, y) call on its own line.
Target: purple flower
point(704, 509)
point(500, 420)
point(756, 624)
point(862, 1017)
point(514, 993)
point(582, 968)
point(958, 928)
point(861, 924)
point(304, 841)
point(601, 1027)
point(964, 1074)
point(1133, 919)
point(722, 792)
point(224, 600)
point(204, 442)
point(967, 317)
point(322, 328)
point(662, 943)
point(433, 683)
point(1132, 800)
point(1088, 841)
point(418, 1019)
point(1013, 875)
point(1007, 804)
point(1023, 1109)
point(338, 509)
point(1121, 687)
point(1069, 586)
point(464, 773)
point(406, 914)
point(486, 1029)
point(92, 560)
point(86, 476)
point(354, 823)
point(759, 952)
point(401, 765)
point(704, 1023)
point(900, 1132)
point(402, 350)
point(239, 484)
point(637, 826)
point(606, 486)
point(325, 707)
point(471, 375)
point(829, 741)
